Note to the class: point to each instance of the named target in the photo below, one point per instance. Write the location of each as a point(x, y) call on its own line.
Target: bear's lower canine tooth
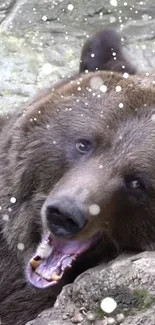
point(55, 276)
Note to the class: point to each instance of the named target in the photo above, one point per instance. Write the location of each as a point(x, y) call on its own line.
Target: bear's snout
point(64, 217)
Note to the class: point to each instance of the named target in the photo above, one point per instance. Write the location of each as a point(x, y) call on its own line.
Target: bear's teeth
point(55, 277)
point(35, 262)
point(49, 277)
point(44, 250)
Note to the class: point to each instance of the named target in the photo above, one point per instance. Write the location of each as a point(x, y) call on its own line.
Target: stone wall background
point(40, 40)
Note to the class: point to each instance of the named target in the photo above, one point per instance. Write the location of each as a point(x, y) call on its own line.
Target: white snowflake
point(145, 17)
point(47, 68)
point(96, 82)
point(121, 105)
point(103, 88)
point(112, 19)
point(94, 209)
point(153, 117)
point(13, 199)
point(125, 75)
point(118, 88)
point(44, 18)
point(113, 3)
point(108, 305)
point(5, 217)
point(92, 55)
point(70, 7)
point(100, 166)
point(125, 4)
point(20, 246)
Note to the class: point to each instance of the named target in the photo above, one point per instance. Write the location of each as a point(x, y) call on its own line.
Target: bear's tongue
point(52, 258)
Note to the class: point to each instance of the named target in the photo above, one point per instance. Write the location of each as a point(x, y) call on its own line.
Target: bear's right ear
point(104, 51)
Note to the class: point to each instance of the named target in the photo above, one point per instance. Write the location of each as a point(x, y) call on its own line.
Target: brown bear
point(77, 185)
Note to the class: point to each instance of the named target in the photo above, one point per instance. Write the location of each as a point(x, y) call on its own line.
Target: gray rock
point(128, 279)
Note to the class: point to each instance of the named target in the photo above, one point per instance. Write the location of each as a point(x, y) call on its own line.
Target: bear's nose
point(65, 218)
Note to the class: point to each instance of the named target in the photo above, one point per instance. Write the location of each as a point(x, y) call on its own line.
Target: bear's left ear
point(104, 51)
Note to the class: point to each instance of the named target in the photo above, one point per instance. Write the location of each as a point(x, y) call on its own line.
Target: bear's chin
point(54, 256)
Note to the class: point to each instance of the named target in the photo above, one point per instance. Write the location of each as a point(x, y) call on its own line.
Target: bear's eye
point(83, 146)
point(134, 184)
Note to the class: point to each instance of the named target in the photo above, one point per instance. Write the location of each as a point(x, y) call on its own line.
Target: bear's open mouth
point(53, 257)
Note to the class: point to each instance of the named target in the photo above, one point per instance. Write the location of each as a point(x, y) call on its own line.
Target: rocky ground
point(40, 42)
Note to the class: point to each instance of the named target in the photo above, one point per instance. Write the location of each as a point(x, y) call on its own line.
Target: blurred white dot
point(144, 47)
point(100, 166)
point(125, 4)
point(153, 117)
point(118, 88)
point(108, 305)
point(121, 105)
point(114, 54)
point(113, 3)
point(145, 17)
point(47, 68)
point(70, 7)
point(79, 88)
point(112, 19)
point(13, 200)
point(94, 209)
point(5, 217)
point(103, 88)
point(96, 82)
point(44, 18)
point(92, 55)
point(20, 246)
point(125, 75)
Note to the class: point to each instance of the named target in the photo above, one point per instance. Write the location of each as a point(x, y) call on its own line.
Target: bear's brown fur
point(40, 162)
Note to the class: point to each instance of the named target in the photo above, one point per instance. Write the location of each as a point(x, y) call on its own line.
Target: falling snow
point(153, 117)
point(96, 82)
point(113, 3)
point(108, 305)
point(145, 17)
point(5, 217)
point(94, 209)
point(125, 75)
point(103, 88)
point(20, 246)
point(44, 18)
point(118, 88)
point(112, 19)
point(121, 105)
point(70, 7)
point(13, 200)
point(47, 69)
